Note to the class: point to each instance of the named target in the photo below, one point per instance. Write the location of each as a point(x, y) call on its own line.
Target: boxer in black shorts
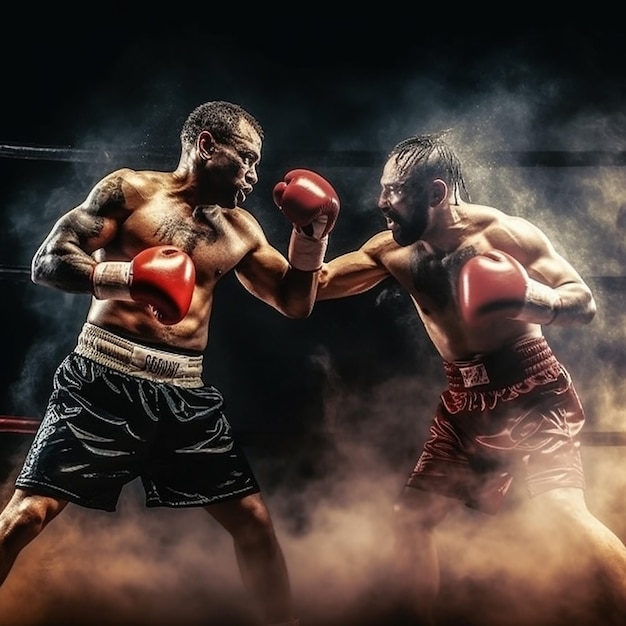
point(483, 283)
point(92, 442)
point(150, 247)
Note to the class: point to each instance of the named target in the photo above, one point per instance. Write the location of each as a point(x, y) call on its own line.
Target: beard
point(405, 232)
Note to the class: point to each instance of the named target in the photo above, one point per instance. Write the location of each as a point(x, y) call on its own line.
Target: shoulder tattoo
point(107, 195)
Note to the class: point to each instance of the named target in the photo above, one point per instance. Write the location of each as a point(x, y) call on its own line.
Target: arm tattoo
point(85, 229)
point(107, 196)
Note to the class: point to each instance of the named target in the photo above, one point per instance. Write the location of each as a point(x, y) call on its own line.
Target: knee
point(416, 515)
point(22, 519)
point(256, 525)
point(407, 517)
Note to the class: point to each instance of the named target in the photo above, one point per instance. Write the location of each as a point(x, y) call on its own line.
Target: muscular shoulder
point(513, 234)
point(243, 218)
point(246, 225)
point(513, 229)
point(126, 189)
point(379, 246)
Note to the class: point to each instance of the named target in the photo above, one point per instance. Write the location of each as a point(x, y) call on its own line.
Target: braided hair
point(429, 156)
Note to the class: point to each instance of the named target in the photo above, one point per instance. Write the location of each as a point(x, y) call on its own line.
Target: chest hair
point(435, 273)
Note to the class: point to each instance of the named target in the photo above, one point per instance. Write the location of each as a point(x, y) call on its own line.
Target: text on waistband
point(474, 375)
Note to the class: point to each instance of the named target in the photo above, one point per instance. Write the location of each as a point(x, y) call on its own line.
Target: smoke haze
point(333, 410)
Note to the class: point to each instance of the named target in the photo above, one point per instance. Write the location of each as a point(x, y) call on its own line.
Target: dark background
point(536, 108)
point(333, 95)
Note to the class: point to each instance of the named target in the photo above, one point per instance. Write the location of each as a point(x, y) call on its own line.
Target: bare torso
point(428, 271)
point(216, 239)
point(429, 278)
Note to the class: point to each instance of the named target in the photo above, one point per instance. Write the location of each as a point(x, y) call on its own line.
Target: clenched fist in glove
point(163, 277)
point(312, 205)
point(494, 283)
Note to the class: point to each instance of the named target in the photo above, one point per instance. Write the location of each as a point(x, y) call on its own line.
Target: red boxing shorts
point(508, 412)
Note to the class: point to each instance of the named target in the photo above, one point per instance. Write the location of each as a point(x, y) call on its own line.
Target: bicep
point(81, 228)
point(93, 223)
point(64, 258)
point(577, 304)
point(262, 270)
point(534, 249)
point(550, 267)
point(350, 274)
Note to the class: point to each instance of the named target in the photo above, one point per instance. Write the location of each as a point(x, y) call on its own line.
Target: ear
point(205, 145)
point(438, 192)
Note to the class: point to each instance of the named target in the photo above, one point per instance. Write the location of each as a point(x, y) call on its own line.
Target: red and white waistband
point(502, 368)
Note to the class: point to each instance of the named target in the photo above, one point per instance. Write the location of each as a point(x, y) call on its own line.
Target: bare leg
point(23, 518)
point(417, 514)
point(259, 555)
point(604, 552)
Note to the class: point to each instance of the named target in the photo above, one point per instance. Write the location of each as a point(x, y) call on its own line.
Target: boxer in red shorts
point(517, 412)
point(484, 283)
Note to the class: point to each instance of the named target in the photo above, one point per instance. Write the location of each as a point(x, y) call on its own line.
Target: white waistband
point(128, 357)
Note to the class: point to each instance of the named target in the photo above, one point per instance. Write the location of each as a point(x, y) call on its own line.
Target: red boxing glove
point(495, 284)
point(312, 205)
point(163, 277)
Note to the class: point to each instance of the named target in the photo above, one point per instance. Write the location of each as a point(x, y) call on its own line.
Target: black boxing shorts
point(127, 411)
point(512, 411)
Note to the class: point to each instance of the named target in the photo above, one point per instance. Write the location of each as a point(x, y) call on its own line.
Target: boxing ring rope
point(18, 425)
point(28, 426)
point(11, 424)
point(331, 158)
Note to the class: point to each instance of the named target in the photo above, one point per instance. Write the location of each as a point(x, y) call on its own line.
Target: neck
point(192, 183)
point(448, 222)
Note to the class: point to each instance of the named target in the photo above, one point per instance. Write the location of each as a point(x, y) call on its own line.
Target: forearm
point(576, 305)
point(296, 294)
point(63, 266)
point(348, 276)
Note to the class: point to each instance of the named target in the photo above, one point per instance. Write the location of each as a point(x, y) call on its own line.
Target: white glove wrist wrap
point(111, 280)
point(306, 253)
point(541, 304)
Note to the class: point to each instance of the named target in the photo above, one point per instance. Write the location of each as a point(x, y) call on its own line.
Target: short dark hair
point(220, 118)
point(429, 155)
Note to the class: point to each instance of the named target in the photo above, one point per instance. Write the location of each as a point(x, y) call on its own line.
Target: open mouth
point(389, 218)
point(242, 194)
